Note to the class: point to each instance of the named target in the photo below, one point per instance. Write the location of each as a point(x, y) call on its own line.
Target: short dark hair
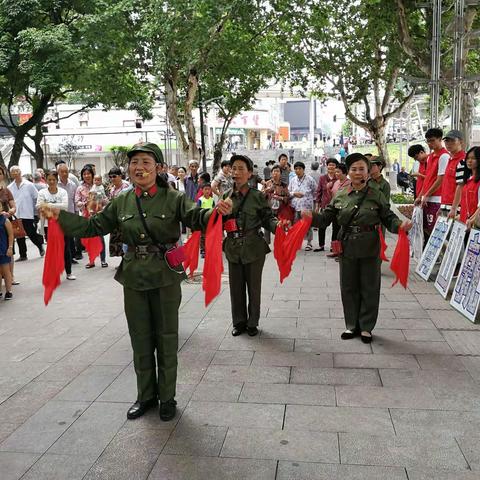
point(276, 167)
point(224, 163)
point(343, 168)
point(243, 158)
point(115, 171)
point(282, 155)
point(209, 185)
point(51, 172)
point(87, 168)
point(299, 164)
point(205, 176)
point(331, 160)
point(59, 162)
point(415, 150)
point(434, 133)
point(368, 155)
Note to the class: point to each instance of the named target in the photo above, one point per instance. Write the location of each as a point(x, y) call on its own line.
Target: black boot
point(140, 408)
point(168, 410)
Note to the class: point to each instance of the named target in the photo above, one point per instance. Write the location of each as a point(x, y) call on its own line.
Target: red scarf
point(383, 245)
point(213, 266)
point(400, 264)
point(54, 263)
point(191, 249)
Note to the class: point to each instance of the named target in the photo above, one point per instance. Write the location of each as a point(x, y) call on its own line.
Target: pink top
point(339, 185)
point(115, 191)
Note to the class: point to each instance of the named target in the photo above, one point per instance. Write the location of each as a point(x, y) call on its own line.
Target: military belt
point(145, 250)
point(361, 228)
point(243, 233)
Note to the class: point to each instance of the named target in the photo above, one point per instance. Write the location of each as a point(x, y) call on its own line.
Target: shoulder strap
point(142, 218)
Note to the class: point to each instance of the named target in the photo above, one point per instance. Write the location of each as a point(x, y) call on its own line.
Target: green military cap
point(379, 161)
point(147, 147)
point(355, 157)
point(244, 159)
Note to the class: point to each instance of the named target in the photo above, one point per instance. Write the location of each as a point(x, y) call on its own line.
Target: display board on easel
point(434, 247)
point(466, 294)
point(450, 259)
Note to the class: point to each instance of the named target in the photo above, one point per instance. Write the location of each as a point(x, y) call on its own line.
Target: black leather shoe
point(349, 334)
point(168, 410)
point(252, 331)
point(140, 408)
point(238, 330)
point(366, 338)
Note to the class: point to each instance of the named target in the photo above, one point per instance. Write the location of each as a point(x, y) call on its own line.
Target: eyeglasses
point(112, 176)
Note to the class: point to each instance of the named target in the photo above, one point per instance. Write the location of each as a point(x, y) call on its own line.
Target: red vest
point(432, 172)
point(449, 184)
point(469, 199)
point(420, 180)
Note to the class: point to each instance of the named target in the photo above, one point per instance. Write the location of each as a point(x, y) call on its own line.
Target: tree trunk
point(192, 89)
point(17, 148)
point(2, 161)
point(378, 134)
point(39, 153)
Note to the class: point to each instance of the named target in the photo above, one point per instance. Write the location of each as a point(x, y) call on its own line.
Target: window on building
point(138, 123)
point(84, 123)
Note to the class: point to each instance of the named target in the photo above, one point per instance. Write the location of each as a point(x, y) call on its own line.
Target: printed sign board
point(466, 294)
point(433, 247)
point(415, 235)
point(450, 259)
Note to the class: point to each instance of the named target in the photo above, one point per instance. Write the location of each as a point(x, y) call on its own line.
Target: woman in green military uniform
point(245, 246)
point(360, 209)
point(148, 218)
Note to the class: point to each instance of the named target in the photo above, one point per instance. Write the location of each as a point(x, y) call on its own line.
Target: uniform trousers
point(360, 280)
point(246, 278)
point(30, 228)
point(152, 317)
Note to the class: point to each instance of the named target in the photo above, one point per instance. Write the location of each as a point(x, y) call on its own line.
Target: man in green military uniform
point(360, 210)
point(148, 218)
point(245, 247)
point(377, 164)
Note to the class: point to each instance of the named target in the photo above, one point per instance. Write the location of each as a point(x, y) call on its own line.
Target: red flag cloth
point(54, 263)
point(383, 245)
point(93, 245)
point(400, 264)
point(278, 244)
point(192, 249)
point(291, 244)
point(213, 266)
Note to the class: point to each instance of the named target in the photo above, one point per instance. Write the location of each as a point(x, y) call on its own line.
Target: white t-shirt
point(57, 200)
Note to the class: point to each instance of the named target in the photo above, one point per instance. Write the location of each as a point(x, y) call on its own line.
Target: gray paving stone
point(435, 422)
point(404, 451)
point(321, 471)
point(104, 419)
point(472, 365)
point(233, 357)
point(433, 302)
point(295, 332)
point(374, 421)
point(451, 320)
point(333, 346)
point(266, 444)
point(122, 389)
point(415, 348)
point(258, 344)
point(407, 320)
point(440, 362)
point(217, 392)
point(131, 454)
point(197, 441)
point(414, 474)
point(469, 446)
point(288, 393)
point(90, 383)
point(293, 359)
point(335, 376)
point(463, 342)
point(58, 467)
point(58, 372)
point(242, 373)
point(233, 415)
point(41, 430)
point(179, 467)
point(14, 465)
point(6, 429)
point(386, 397)
point(423, 335)
point(352, 360)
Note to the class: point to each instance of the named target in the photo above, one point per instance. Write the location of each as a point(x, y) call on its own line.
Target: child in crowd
point(6, 253)
point(97, 197)
point(205, 201)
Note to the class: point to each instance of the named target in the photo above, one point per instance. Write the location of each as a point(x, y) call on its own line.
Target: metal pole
point(458, 64)
point(312, 124)
point(200, 107)
point(436, 52)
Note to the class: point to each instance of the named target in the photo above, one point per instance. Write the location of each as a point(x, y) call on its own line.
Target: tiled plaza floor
point(294, 403)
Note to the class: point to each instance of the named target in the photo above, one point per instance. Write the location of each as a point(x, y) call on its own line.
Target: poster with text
point(466, 294)
point(434, 247)
point(415, 235)
point(450, 259)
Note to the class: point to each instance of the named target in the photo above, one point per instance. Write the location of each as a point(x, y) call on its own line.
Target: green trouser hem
point(360, 280)
point(246, 278)
point(152, 317)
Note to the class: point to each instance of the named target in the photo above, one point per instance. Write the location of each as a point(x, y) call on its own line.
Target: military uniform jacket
point(164, 211)
point(374, 210)
point(254, 214)
point(383, 186)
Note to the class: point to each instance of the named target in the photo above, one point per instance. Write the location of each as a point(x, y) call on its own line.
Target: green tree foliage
point(223, 44)
point(50, 49)
point(350, 49)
